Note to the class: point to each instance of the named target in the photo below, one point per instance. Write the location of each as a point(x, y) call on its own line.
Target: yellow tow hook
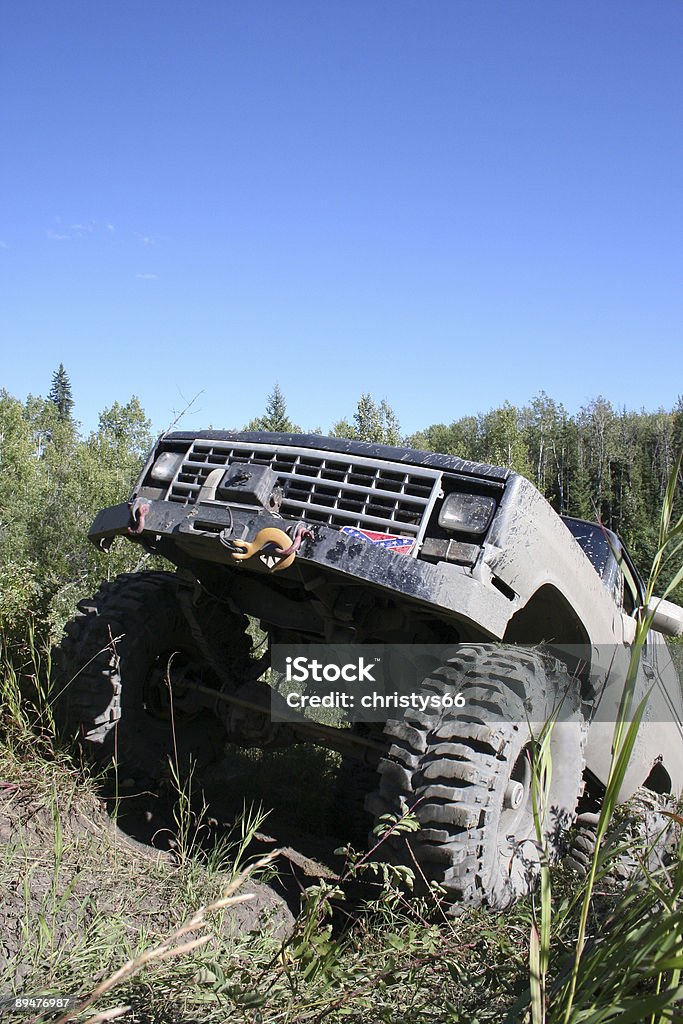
point(268, 536)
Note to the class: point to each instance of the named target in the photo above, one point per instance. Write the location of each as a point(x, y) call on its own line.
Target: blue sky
point(446, 204)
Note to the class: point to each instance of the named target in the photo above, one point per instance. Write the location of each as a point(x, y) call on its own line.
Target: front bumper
point(185, 534)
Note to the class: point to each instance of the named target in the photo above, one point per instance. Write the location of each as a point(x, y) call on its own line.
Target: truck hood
point(342, 445)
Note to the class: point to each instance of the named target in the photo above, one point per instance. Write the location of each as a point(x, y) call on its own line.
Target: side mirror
point(667, 617)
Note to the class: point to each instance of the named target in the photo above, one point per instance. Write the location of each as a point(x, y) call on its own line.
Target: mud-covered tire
point(102, 670)
point(456, 767)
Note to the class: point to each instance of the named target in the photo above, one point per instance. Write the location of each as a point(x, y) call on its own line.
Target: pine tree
point(60, 393)
point(276, 412)
point(275, 418)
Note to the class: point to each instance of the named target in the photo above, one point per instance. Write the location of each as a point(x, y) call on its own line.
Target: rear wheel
point(467, 774)
point(125, 672)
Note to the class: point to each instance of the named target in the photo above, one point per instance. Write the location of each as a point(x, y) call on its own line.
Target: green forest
point(598, 463)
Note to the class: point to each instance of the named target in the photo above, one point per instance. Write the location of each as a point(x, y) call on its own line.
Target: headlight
point(468, 513)
point(166, 467)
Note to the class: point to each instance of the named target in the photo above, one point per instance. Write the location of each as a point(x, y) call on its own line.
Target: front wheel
point(124, 675)
point(467, 774)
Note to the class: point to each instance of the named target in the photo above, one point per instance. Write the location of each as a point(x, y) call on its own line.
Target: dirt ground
point(73, 853)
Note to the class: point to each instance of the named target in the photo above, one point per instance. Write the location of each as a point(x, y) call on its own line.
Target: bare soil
point(65, 863)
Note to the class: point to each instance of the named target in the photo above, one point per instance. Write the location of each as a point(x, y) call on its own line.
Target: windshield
point(600, 546)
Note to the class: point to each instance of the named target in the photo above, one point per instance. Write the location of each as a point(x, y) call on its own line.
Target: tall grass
point(632, 970)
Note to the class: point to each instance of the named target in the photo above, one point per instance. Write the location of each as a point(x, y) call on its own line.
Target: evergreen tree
point(60, 393)
point(581, 498)
point(275, 418)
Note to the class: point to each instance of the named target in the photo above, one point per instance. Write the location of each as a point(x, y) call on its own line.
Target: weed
point(632, 970)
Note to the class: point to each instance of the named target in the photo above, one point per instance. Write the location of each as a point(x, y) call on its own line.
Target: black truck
point(326, 541)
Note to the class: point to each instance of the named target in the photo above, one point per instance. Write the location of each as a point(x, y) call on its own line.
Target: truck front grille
point(322, 487)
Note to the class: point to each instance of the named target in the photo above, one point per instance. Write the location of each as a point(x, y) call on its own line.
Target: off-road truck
point(329, 541)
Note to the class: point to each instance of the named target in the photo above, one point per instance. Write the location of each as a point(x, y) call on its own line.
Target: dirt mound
point(67, 873)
